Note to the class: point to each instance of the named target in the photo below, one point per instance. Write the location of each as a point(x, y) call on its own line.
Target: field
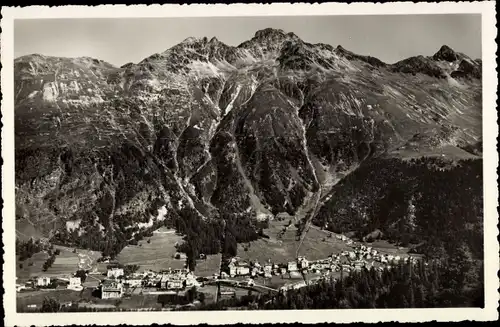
point(26, 298)
point(279, 250)
point(66, 263)
point(314, 234)
point(25, 229)
point(316, 245)
point(31, 267)
point(86, 298)
point(159, 253)
point(156, 255)
point(140, 301)
point(209, 266)
point(276, 281)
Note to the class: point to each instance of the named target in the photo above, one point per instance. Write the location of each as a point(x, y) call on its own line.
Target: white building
point(191, 281)
point(232, 270)
point(75, 281)
point(133, 282)
point(111, 290)
point(303, 262)
point(43, 281)
point(75, 284)
point(115, 272)
point(242, 270)
point(292, 266)
point(20, 287)
point(175, 284)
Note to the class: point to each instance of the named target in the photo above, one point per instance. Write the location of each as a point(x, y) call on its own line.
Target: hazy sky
point(122, 40)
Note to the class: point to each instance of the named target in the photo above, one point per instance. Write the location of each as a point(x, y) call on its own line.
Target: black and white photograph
point(207, 164)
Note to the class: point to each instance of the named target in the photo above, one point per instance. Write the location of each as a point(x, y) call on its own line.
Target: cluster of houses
point(359, 257)
point(72, 283)
point(237, 267)
point(116, 282)
point(366, 256)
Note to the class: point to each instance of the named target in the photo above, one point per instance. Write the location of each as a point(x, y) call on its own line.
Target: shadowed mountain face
point(269, 126)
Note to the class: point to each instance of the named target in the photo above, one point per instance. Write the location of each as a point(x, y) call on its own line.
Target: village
point(360, 257)
point(117, 283)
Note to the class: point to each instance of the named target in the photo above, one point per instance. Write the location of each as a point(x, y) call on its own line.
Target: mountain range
point(272, 125)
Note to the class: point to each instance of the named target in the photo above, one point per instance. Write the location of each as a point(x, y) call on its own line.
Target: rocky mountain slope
point(265, 127)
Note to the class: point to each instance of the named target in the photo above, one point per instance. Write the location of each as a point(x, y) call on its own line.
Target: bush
point(82, 274)
point(50, 305)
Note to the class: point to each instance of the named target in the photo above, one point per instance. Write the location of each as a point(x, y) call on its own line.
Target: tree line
point(428, 202)
point(26, 249)
point(213, 236)
point(51, 259)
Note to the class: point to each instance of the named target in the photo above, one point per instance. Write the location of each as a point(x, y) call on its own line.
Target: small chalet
point(242, 270)
point(267, 270)
point(75, 284)
point(175, 284)
point(232, 269)
point(303, 262)
point(43, 281)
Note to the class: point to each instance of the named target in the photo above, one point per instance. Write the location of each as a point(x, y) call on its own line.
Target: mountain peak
point(340, 48)
point(266, 32)
point(191, 39)
point(445, 53)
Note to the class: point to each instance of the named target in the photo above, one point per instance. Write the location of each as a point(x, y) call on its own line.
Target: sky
point(121, 40)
